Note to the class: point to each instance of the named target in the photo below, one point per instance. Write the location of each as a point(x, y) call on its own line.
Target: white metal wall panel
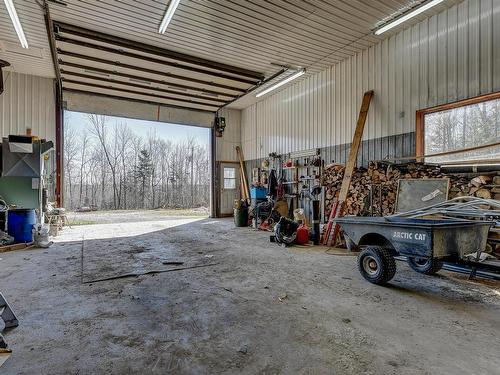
point(226, 145)
point(447, 57)
point(496, 43)
point(28, 102)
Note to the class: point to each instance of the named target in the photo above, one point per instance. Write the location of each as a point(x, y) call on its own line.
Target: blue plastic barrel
point(20, 223)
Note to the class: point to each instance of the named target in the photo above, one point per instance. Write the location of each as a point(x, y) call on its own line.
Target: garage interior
point(354, 198)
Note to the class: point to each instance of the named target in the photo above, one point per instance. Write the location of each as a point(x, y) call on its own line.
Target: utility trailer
point(426, 243)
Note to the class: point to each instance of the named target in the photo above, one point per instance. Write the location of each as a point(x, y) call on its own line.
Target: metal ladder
point(7, 314)
point(9, 319)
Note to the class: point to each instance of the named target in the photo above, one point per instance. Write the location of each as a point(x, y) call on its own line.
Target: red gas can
point(302, 235)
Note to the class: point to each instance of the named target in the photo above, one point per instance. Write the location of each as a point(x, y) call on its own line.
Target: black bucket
point(241, 217)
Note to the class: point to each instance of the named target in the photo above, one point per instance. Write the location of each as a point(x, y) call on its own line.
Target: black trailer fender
point(376, 239)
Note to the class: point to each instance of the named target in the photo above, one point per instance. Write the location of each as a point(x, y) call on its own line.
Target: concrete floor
point(257, 308)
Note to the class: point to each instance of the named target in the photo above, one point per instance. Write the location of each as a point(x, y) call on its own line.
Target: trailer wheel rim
point(370, 265)
point(421, 262)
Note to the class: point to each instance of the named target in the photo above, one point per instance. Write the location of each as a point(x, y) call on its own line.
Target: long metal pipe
point(470, 168)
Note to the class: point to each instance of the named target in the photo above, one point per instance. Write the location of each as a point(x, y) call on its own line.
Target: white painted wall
point(28, 102)
point(450, 56)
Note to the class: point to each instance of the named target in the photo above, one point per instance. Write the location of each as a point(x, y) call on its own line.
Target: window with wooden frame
point(470, 126)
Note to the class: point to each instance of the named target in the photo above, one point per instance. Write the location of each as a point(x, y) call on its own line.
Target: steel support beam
point(126, 43)
point(50, 33)
point(253, 88)
point(59, 112)
point(59, 145)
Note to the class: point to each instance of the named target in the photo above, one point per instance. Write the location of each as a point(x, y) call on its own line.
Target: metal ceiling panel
point(256, 35)
point(36, 60)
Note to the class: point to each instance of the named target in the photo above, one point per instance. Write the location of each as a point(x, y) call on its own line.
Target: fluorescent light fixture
point(15, 21)
point(415, 12)
point(281, 83)
point(168, 15)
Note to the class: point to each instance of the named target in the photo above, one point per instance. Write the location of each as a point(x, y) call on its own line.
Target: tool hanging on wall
point(338, 207)
point(220, 126)
point(255, 176)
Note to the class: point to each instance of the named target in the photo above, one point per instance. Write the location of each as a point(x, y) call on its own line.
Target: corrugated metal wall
point(28, 102)
point(226, 145)
point(450, 56)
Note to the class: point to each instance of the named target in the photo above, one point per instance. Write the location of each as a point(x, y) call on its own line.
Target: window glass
point(229, 178)
point(463, 127)
point(229, 172)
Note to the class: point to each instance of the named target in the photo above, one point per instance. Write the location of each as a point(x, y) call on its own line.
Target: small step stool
point(7, 314)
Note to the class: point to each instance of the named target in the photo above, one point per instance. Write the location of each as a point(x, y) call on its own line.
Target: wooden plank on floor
point(17, 246)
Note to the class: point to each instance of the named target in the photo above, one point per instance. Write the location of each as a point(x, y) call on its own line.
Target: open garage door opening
point(119, 169)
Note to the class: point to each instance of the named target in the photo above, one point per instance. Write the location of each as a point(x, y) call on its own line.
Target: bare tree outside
point(464, 127)
point(110, 166)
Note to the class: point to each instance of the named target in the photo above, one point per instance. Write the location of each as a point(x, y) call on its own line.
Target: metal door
point(230, 187)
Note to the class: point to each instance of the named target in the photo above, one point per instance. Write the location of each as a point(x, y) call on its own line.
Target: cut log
point(483, 193)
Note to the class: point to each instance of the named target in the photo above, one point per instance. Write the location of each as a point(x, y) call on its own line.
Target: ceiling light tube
point(415, 12)
point(17, 24)
point(281, 83)
point(168, 15)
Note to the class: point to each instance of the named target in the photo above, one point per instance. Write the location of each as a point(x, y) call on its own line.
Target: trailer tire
point(429, 267)
point(376, 264)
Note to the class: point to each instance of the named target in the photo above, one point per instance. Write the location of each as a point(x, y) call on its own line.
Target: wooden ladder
point(332, 230)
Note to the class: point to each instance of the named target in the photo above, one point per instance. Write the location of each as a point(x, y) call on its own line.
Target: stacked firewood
point(383, 178)
point(481, 186)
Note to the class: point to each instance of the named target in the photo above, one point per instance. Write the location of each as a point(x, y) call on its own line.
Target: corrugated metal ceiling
point(250, 34)
point(36, 60)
